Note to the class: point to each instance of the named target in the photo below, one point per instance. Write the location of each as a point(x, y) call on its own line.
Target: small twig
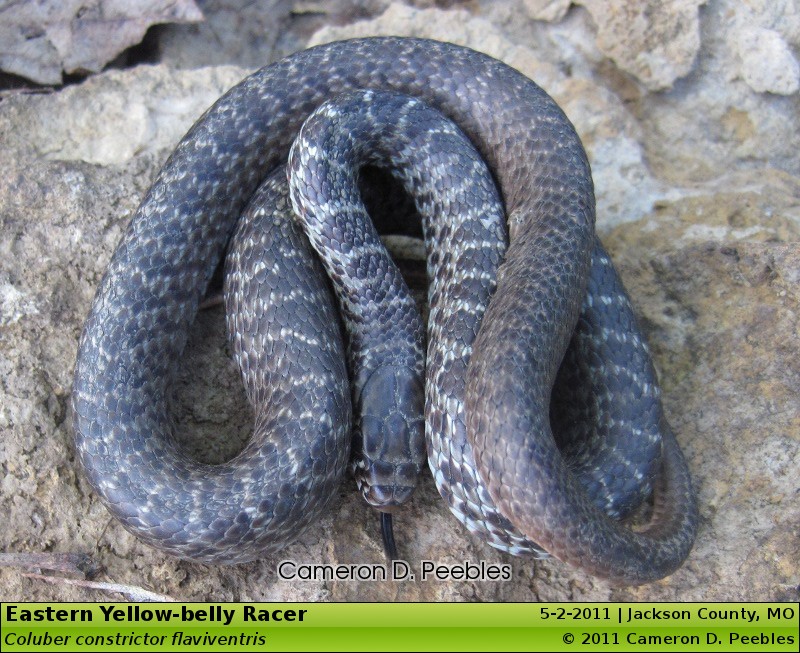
point(131, 592)
point(66, 563)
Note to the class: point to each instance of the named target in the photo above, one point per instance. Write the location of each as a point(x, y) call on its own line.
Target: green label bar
point(399, 627)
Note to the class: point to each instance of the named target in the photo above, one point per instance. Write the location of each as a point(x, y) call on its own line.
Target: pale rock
point(656, 41)
point(116, 122)
point(767, 62)
point(713, 121)
point(783, 16)
point(244, 34)
point(41, 40)
point(549, 10)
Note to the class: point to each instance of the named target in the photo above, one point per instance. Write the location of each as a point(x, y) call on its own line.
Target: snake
point(542, 415)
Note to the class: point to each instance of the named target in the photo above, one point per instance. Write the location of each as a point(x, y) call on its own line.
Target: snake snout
point(387, 498)
point(392, 436)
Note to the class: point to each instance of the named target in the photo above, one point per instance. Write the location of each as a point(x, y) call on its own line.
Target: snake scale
point(528, 453)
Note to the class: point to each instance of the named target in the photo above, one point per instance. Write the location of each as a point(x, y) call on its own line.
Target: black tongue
point(387, 533)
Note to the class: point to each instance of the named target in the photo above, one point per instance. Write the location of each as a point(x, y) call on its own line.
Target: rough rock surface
point(231, 34)
point(698, 191)
point(42, 40)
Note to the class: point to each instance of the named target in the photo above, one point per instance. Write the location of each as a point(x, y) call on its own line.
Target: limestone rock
point(244, 34)
point(550, 10)
point(767, 63)
point(116, 121)
point(714, 106)
point(657, 41)
point(42, 39)
point(715, 278)
point(654, 42)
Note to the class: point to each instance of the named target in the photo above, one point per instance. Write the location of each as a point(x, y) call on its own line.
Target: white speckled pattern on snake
point(494, 452)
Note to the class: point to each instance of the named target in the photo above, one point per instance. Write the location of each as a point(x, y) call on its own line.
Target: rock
point(738, 128)
point(710, 102)
point(42, 39)
point(549, 10)
point(118, 123)
point(697, 195)
point(233, 33)
point(655, 41)
point(715, 278)
point(767, 63)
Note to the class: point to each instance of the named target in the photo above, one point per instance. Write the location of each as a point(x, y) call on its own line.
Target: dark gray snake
point(504, 432)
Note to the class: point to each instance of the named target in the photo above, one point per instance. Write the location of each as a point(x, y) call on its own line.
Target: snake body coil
point(488, 425)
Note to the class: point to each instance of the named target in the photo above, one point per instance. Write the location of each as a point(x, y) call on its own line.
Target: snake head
point(389, 444)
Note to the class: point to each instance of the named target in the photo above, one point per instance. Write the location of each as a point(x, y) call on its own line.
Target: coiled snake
point(491, 446)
